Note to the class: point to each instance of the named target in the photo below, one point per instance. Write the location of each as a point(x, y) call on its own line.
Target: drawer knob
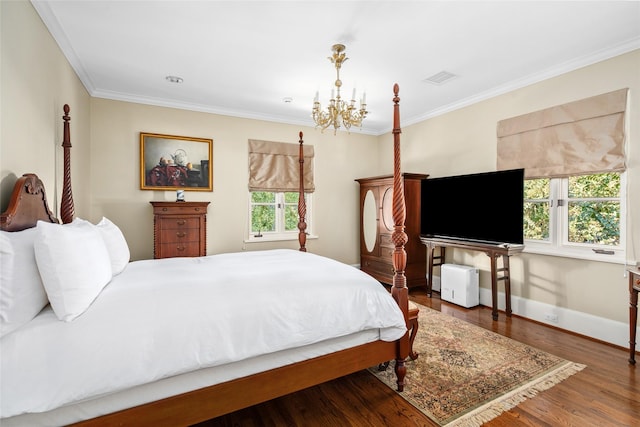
point(180, 248)
point(181, 222)
point(181, 234)
point(164, 209)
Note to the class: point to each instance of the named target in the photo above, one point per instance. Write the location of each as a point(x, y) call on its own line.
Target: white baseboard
point(599, 328)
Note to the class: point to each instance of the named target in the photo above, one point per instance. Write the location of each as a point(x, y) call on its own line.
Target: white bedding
point(183, 383)
point(161, 318)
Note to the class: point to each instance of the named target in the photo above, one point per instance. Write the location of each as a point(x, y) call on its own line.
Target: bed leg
point(401, 371)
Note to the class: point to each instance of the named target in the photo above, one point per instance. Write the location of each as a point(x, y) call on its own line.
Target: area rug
point(466, 375)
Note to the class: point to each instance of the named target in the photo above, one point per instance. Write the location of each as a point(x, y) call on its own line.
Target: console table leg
point(430, 251)
point(633, 319)
point(494, 287)
point(507, 283)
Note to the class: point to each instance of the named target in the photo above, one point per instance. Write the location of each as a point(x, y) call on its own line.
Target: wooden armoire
point(376, 228)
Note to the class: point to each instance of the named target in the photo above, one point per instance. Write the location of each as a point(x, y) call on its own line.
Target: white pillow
point(116, 245)
point(22, 294)
point(74, 265)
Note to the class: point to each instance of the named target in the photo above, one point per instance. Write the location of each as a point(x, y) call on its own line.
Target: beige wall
point(464, 141)
point(37, 80)
point(115, 179)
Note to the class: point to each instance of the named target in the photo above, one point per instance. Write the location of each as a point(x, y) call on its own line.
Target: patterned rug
point(466, 375)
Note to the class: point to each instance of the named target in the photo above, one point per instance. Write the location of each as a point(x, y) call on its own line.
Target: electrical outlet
point(551, 317)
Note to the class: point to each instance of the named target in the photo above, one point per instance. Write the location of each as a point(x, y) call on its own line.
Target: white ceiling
point(242, 58)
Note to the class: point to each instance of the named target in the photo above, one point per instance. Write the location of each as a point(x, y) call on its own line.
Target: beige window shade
point(275, 166)
point(581, 137)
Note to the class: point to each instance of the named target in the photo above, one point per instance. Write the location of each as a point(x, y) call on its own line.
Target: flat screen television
point(482, 207)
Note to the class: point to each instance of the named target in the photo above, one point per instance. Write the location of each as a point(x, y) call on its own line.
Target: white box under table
point(459, 285)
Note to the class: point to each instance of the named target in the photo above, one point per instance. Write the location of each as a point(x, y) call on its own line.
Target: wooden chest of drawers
point(179, 229)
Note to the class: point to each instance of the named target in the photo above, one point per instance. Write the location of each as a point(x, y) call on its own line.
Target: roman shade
point(581, 137)
point(275, 166)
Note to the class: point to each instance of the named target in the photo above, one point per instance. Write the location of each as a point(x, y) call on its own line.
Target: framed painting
point(169, 162)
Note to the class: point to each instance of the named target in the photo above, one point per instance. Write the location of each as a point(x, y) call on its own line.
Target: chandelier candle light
point(338, 110)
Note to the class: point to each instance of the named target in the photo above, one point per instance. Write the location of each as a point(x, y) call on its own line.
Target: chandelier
point(339, 112)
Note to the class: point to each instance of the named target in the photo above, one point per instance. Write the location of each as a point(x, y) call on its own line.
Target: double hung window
point(580, 216)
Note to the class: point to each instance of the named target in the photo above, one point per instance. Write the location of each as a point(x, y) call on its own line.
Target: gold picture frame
point(170, 162)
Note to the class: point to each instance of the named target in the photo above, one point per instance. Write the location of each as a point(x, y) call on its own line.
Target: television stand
point(493, 251)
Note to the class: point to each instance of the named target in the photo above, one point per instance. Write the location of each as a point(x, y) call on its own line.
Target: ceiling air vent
point(440, 78)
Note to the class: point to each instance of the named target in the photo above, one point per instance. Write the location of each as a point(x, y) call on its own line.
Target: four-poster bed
point(198, 394)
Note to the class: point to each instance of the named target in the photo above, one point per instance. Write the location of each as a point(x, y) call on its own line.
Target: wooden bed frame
point(28, 204)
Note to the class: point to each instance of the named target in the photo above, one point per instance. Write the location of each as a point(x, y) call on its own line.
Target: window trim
point(557, 245)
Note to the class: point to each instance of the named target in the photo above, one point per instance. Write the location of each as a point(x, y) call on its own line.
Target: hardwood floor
point(605, 393)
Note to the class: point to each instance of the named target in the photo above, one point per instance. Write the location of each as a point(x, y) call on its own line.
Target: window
point(274, 185)
point(274, 215)
point(579, 216)
point(574, 155)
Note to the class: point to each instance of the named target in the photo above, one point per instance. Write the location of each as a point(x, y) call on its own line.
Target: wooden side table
point(179, 229)
point(634, 288)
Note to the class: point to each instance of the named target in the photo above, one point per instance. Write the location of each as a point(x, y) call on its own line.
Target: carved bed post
point(399, 290)
point(66, 206)
point(302, 205)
